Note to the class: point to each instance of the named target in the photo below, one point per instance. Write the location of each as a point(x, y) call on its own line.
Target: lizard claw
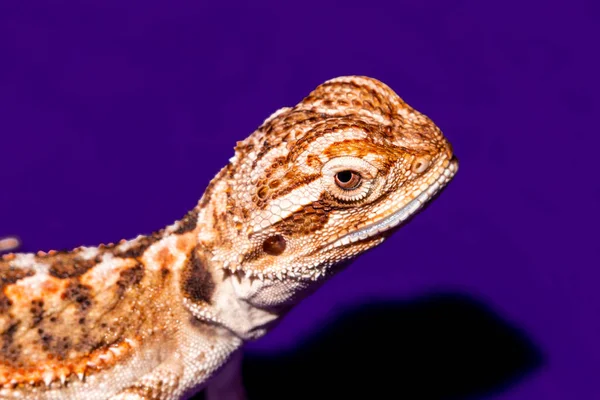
point(9, 243)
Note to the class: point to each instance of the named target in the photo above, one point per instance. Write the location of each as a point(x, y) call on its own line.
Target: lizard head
point(320, 183)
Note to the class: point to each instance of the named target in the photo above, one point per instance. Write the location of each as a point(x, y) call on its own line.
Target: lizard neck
point(214, 295)
point(248, 307)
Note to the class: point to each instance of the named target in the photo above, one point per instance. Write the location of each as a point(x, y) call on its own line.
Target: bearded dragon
point(163, 316)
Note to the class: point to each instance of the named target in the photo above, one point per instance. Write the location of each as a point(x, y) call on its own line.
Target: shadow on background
point(437, 347)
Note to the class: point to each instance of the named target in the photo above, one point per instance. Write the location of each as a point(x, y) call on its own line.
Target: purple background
point(114, 117)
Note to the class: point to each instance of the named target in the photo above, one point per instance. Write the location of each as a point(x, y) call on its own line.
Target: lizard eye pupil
point(348, 180)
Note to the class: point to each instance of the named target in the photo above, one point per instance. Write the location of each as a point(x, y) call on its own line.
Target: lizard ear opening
point(274, 245)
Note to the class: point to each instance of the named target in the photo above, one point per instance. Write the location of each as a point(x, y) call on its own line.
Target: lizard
point(165, 315)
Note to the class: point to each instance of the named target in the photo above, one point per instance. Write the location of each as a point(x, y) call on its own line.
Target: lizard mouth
point(404, 213)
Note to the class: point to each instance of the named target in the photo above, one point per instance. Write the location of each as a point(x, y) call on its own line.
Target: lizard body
point(156, 317)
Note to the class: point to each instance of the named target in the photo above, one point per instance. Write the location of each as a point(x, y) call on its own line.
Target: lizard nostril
point(274, 245)
point(420, 165)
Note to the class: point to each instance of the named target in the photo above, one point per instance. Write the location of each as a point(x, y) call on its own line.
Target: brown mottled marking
point(8, 351)
point(5, 303)
point(188, 223)
point(305, 221)
point(58, 346)
point(69, 265)
point(78, 293)
point(197, 283)
point(83, 330)
point(129, 277)
point(8, 276)
point(283, 128)
point(293, 180)
point(359, 148)
point(137, 249)
point(57, 359)
point(336, 92)
point(327, 125)
point(37, 311)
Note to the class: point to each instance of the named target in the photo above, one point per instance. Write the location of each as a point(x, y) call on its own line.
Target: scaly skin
point(155, 317)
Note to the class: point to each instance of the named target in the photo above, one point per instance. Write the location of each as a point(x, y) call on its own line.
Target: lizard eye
point(348, 180)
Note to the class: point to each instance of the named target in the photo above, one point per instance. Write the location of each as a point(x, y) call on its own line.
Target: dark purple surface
point(114, 117)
